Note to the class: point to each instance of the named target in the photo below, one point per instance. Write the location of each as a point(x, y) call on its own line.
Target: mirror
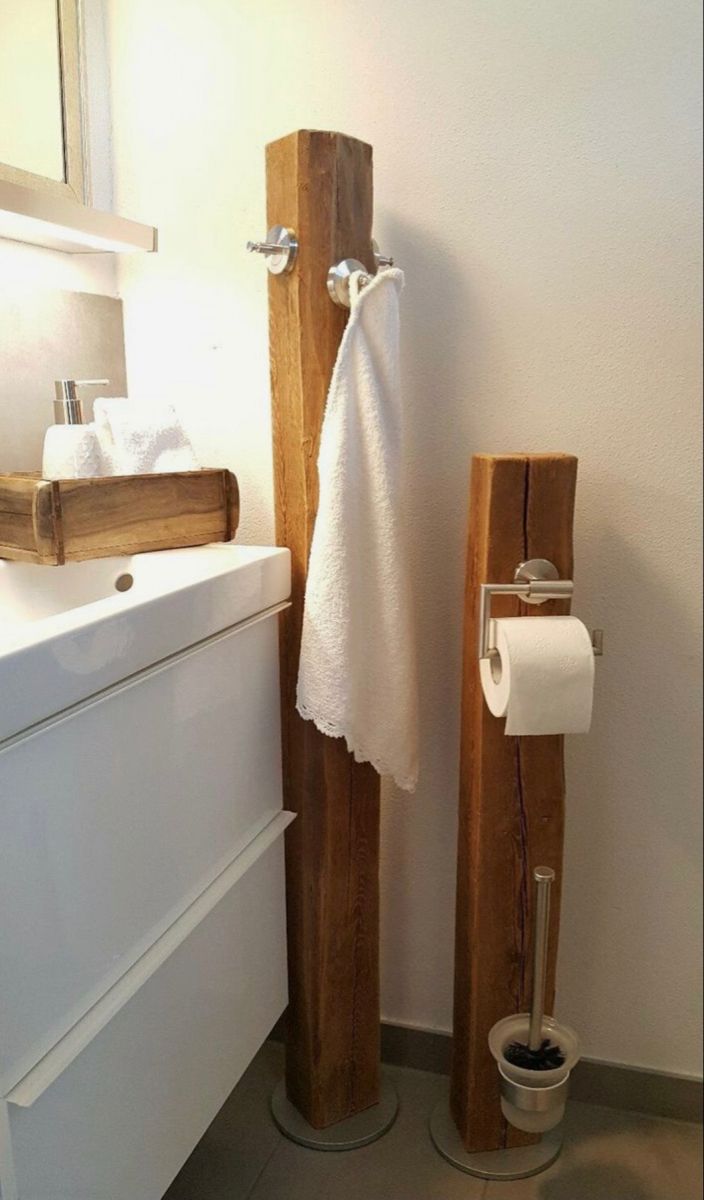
point(40, 96)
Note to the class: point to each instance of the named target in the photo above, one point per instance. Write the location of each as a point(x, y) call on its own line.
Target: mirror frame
point(73, 186)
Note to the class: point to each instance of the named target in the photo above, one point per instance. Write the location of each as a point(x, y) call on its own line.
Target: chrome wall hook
point(535, 581)
point(280, 248)
point(381, 260)
point(338, 281)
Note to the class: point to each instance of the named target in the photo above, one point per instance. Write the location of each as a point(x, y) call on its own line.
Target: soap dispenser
point(71, 449)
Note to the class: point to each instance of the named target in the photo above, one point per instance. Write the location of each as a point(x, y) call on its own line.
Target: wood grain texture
point(320, 184)
point(512, 790)
point(52, 522)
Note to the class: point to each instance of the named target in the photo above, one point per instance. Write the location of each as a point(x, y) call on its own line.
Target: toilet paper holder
point(535, 581)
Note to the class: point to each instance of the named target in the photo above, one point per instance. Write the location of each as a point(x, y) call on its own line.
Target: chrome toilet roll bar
point(535, 581)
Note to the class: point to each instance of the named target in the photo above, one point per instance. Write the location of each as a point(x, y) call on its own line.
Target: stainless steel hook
point(381, 260)
point(280, 248)
point(339, 275)
point(338, 281)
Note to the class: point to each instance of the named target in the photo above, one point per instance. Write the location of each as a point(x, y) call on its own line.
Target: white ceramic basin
point(29, 593)
point(68, 632)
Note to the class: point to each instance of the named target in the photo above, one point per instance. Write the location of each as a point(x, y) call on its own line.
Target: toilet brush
point(540, 1054)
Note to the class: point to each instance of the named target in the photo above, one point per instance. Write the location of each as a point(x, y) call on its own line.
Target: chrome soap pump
point(71, 449)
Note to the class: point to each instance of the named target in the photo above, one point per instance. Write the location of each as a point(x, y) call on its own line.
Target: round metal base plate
point(281, 264)
point(350, 1134)
point(535, 570)
point(339, 280)
point(492, 1164)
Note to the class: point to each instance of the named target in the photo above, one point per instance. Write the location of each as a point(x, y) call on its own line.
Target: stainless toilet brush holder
point(534, 1053)
point(534, 1056)
point(533, 1101)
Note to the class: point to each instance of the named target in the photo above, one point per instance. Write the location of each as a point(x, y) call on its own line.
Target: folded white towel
point(357, 673)
point(139, 439)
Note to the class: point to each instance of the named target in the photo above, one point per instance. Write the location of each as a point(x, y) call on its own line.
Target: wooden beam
point(512, 790)
point(320, 185)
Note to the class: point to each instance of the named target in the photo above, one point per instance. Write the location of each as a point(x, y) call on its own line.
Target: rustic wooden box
point(65, 520)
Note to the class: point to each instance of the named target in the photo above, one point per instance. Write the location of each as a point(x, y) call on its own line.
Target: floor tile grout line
point(591, 1126)
point(270, 1158)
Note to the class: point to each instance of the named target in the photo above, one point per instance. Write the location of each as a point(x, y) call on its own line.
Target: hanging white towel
point(357, 673)
point(138, 439)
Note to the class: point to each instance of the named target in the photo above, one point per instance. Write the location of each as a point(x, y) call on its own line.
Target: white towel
point(138, 439)
point(357, 673)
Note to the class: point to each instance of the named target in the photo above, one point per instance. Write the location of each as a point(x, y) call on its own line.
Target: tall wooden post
point(512, 790)
point(320, 185)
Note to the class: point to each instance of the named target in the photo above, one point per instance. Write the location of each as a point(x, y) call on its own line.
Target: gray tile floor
point(608, 1155)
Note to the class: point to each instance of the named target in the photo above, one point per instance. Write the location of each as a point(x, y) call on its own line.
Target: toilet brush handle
point(544, 878)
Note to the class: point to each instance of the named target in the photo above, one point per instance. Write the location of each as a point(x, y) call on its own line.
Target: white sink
point(68, 632)
point(29, 593)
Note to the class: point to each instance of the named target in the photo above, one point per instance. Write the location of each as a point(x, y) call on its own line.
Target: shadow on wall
point(651, 665)
point(438, 446)
point(438, 439)
point(638, 765)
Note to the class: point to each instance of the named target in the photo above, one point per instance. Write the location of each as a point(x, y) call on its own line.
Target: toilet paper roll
point(543, 678)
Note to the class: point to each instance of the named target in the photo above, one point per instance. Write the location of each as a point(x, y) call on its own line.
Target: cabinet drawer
point(116, 816)
point(120, 1120)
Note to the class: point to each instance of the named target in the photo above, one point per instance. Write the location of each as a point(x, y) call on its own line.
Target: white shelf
point(58, 223)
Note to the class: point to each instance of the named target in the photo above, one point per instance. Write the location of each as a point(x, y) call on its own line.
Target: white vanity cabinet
point(142, 910)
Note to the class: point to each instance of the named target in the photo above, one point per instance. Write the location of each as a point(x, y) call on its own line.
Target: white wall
point(31, 267)
point(535, 169)
point(34, 287)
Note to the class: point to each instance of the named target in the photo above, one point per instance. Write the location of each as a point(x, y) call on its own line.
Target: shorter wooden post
point(512, 790)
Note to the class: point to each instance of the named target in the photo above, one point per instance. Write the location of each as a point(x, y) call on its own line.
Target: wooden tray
point(66, 520)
